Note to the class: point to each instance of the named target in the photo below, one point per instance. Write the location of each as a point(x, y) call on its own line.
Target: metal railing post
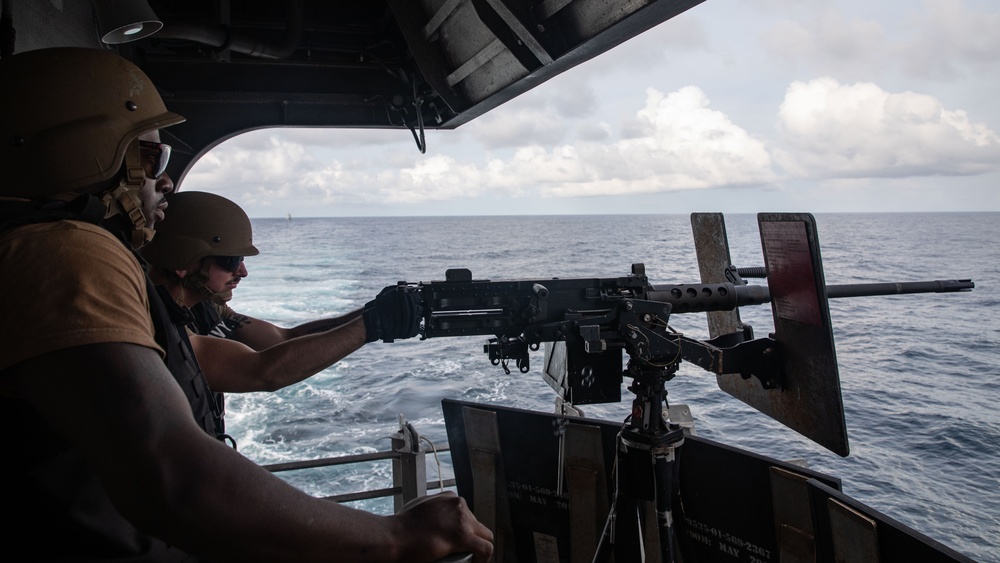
point(409, 470)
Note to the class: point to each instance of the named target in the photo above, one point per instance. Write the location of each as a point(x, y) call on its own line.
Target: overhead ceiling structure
point(231, 66)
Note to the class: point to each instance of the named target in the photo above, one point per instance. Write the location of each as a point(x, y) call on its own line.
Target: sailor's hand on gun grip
point(394, 314)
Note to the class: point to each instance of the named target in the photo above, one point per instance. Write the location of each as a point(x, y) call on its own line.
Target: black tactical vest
point(170, 320)
point(206, 321)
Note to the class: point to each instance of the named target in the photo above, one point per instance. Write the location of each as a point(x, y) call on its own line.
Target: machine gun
point(606, 316)
point(790, 374)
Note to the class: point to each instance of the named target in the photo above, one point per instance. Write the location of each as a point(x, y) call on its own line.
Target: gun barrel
point(869, 289)
point(695, 298)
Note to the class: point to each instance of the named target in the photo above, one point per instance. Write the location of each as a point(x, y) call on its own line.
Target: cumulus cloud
point(258, 156)
point(254, 169)
point(854, 130)
point(675, 142)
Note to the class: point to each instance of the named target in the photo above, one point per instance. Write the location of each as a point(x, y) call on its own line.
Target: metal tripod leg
point(646, 470)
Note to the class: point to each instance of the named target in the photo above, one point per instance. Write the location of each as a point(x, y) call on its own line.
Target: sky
point(735, 106)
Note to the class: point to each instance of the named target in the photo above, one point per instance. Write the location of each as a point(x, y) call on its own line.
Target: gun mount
point(790, 374)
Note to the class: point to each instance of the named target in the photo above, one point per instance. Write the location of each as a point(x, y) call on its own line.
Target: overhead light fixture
point(121, 21)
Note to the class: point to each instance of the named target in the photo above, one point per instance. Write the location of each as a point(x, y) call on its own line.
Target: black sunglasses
point(229, 263)
point(162, 157)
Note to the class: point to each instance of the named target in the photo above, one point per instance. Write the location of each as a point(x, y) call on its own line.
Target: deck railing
point(409, 469)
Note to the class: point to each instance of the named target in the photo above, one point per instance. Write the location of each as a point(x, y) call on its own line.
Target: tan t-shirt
point(65, 284)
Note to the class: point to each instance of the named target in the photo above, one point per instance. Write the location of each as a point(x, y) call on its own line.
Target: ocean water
point(920, 373)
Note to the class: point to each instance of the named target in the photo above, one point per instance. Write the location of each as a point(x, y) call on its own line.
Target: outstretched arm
point(233, 367)
point(123, 410)
point(260, 335)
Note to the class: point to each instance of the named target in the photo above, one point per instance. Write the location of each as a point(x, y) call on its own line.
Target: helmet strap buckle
point(124, 198)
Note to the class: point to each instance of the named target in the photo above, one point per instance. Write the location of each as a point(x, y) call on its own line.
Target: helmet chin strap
point(221, 297)
point(197, 282)
point(124, 198)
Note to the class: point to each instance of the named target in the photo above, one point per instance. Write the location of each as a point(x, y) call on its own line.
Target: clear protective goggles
point(161, 157)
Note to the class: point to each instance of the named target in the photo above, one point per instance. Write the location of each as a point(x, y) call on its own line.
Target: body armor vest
point(206, 321)
point(170, 320)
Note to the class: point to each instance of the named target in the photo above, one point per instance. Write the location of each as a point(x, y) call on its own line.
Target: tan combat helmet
point(71, 119)
point(199, 225)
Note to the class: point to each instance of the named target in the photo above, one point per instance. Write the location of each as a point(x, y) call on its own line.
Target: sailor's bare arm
point(118, 404)
point(261, 335)
point(233, 367)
